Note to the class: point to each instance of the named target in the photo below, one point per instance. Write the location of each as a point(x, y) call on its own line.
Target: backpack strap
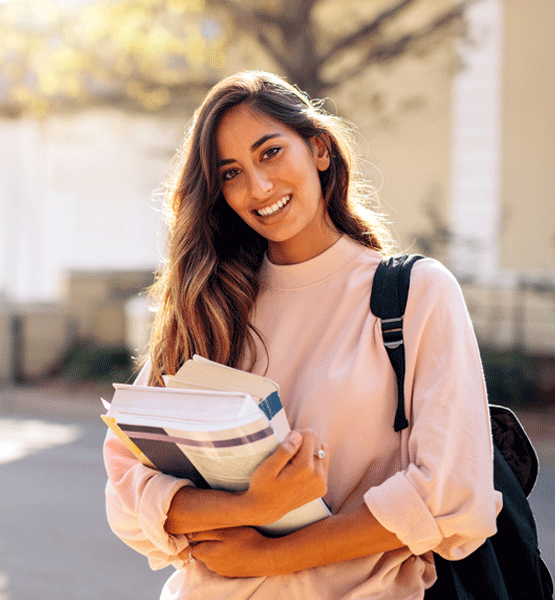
point(388, 301)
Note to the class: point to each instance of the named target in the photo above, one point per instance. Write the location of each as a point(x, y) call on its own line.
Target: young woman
point(272, 253)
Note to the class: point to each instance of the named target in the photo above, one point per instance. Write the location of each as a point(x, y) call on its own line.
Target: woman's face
point(269, 177)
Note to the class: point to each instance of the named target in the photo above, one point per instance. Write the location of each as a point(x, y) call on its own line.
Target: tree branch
point(364, 32)
point(295, 51)
point(291, 14)
point(388, 51)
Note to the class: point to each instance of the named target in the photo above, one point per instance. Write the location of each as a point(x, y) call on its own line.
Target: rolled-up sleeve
point(137, 502)
point(444, 499)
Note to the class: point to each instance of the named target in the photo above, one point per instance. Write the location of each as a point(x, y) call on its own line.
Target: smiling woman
point(271, 258)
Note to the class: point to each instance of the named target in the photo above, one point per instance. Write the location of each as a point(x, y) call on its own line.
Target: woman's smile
point(274, 208)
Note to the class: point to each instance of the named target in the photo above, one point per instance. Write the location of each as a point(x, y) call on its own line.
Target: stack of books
point(211, 424)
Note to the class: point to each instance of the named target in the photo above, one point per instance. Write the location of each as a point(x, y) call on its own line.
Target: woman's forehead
point(243, 126)
point(248, 118)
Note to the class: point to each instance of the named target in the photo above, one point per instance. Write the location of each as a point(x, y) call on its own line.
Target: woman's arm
point(147, 510)
point(137, 502)
point(215, 520)
point(289, 478)
point(444, 500)
point(243, 552)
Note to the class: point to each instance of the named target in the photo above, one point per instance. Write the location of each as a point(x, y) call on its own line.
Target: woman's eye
point(271, 152)
point(228, 175)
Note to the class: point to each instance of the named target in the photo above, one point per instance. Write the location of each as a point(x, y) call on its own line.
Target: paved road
point(54, 540)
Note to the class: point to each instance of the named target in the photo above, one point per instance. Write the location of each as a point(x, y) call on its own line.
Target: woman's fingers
point(297, 449)
point(284, 453)
point(205, 536)
point(306, 468)
point(292, 476)
point(232, 552)
point(309, 445)
point(305, 457)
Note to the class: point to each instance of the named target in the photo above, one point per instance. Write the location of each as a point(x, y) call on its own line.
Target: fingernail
point(293, 440)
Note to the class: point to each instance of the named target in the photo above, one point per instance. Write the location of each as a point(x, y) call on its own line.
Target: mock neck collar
point(312, 271)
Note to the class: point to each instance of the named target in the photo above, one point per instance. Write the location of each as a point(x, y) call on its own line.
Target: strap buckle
point(392, 332)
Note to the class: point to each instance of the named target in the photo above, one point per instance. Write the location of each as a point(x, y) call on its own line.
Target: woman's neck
point(302, 248)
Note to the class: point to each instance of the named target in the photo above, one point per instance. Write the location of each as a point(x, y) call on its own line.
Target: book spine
point(271, 405)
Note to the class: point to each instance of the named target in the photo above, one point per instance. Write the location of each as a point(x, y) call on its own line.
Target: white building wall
point(476, 148)
point(76, 192)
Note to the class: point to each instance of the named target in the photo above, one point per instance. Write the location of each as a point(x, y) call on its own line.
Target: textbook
point(214, 436)
point(203, 374)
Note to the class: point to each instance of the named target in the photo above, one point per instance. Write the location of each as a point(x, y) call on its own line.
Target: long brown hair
point(207, 287)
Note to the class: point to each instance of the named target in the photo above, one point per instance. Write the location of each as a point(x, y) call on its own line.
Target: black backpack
point(508, 566)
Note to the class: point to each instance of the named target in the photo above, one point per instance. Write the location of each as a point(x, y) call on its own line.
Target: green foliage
point(149, 54)
point(511, 378)
point(141, 52)
point(86, 362)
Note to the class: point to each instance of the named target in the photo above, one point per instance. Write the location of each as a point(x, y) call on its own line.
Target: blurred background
point(453, 102)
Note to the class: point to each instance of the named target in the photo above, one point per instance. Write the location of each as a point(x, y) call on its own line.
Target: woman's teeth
point(270, 210)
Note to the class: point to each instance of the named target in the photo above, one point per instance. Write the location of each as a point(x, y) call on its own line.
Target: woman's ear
point(320, 148)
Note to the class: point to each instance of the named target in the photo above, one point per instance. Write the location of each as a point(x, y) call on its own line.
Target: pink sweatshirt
point(432, 485)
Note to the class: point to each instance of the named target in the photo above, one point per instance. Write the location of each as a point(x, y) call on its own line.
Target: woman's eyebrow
point(257, 144)
point(263, 139)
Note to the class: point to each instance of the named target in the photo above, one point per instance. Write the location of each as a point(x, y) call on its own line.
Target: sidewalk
point(54, 402)
point(53, 494)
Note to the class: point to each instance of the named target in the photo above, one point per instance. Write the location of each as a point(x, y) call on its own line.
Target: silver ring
point(192, 559)
point(320, 454)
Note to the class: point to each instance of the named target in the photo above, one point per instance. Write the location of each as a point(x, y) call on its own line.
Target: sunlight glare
point(22, 437)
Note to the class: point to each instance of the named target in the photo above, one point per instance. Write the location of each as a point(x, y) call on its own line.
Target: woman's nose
point(260, 184)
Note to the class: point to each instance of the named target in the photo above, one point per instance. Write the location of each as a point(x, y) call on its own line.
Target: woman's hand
point(289, 478)
point(232, 552)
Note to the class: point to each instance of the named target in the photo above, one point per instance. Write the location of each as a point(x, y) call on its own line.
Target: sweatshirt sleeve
point(137, 502)
point(444, 500)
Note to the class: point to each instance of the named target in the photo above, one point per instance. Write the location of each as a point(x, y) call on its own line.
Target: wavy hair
point(209, 282)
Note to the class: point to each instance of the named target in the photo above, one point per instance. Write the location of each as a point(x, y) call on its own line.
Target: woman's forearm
point(243, 552)
point(344, 536)
point(194, 509)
